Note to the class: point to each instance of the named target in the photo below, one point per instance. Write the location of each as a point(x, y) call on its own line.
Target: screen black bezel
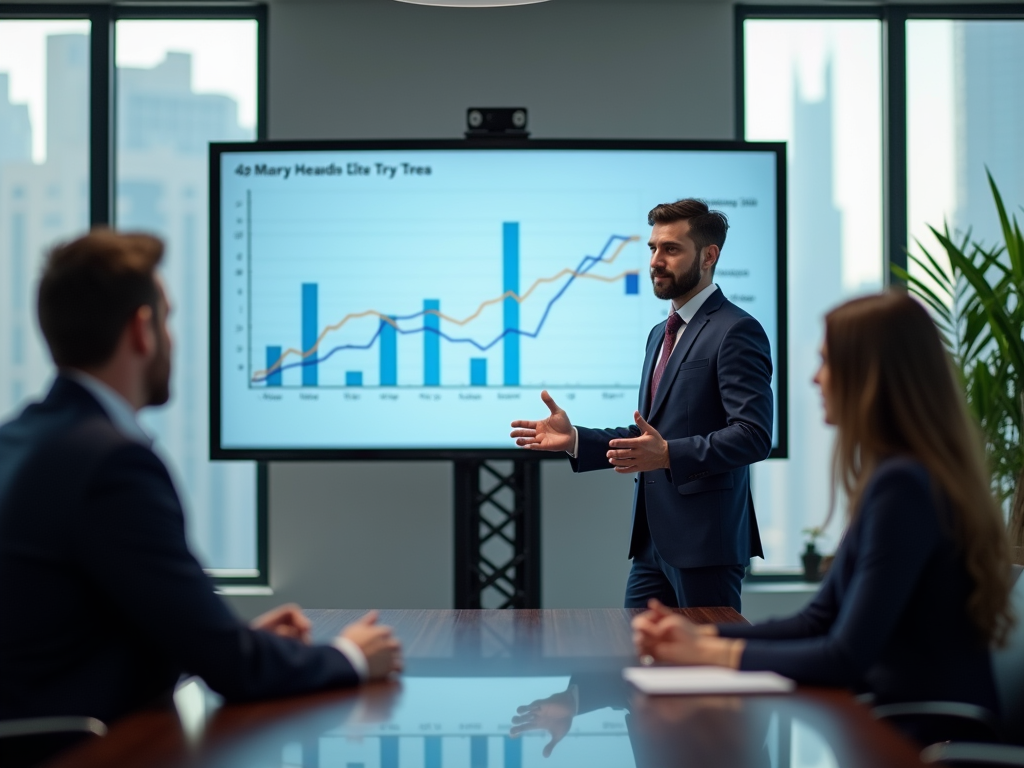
point(482, 144)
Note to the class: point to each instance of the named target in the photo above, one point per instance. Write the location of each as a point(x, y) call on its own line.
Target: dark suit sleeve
point(131, 543)
point(593, 448)
point(813, 621)
point(901, 529)
point(744, 380)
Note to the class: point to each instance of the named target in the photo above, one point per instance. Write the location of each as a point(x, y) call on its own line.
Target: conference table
point(468, 674)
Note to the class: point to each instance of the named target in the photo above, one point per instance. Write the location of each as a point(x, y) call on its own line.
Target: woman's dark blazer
point(891, 616)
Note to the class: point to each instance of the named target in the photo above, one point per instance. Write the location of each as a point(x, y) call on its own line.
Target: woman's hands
point(668, 637)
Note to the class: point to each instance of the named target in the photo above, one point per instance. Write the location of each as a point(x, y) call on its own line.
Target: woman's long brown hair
point(894, 392)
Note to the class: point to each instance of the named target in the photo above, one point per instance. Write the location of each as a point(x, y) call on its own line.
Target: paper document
point(681, 680)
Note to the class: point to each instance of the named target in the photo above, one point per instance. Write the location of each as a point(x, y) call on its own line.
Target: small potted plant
point(811, 555)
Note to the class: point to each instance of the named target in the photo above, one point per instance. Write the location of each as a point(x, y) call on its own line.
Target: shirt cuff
point(355, 656)
point(575, 452)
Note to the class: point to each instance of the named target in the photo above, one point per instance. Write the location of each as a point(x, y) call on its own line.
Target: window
point(952, 81)
point(180, 85)
point(44, 182)
point(815, 84)
point(965, 113)
point(184, 77)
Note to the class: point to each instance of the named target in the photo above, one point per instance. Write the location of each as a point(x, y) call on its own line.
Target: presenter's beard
point(680, 286)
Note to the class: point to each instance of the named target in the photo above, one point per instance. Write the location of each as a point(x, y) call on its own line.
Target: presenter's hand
point(285, 621)
point(551, 434)
point(639, 454)
point(381, 648)
point(553, 714)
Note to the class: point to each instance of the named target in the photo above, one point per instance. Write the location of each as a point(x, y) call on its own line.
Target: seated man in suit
point(102, 606)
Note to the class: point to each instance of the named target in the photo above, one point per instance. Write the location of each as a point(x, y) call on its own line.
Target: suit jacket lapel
point(657, 338)
point(682, 348)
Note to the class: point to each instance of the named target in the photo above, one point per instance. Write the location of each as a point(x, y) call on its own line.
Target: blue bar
point(273, 355)
point(353, 378)
point(510, 279)
point(388, 354)
point(632, 284)
point(388, 752)
point(432, 752)
point(513, 752)
point(350, 765)
point(478, 371)
point(310, 330)
point(431, 343)
point(477, 752)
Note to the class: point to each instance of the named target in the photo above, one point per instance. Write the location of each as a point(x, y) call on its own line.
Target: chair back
point(1008, 667)
point(33, 741)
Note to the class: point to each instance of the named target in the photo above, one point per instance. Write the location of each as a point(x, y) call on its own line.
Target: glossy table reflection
point(467, 674)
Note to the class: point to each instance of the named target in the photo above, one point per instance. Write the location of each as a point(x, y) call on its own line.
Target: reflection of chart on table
point(609, 748)
point(487, 354)
point(466, 723)
point(366, 307)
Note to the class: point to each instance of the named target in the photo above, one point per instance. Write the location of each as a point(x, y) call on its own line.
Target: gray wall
point(380, 534)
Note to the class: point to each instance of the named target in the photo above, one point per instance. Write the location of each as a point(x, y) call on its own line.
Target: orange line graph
point(497, 300)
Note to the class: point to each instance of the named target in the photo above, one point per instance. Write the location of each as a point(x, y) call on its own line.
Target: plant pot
point(812, 563)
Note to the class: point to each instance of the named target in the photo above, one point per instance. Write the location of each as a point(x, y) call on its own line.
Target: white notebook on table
point(704, 680)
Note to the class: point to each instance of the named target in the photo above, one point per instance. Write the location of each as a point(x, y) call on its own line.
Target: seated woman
point(919, 586)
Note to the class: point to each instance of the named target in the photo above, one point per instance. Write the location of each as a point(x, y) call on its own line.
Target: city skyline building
point(989, 112)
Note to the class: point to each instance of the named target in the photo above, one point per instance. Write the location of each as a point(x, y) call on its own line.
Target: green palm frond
point(976, 296)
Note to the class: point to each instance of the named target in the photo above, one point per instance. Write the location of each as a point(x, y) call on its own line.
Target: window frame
point(895, 190)
point(102, 155)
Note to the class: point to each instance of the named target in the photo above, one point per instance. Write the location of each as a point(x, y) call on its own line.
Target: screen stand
point(497, 533)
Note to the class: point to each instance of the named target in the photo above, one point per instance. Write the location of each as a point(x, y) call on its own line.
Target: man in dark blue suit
point(704, 416)
point(102, 606)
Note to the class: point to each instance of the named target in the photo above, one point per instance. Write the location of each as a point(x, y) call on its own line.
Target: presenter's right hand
point(554, 433)
point(381, 648)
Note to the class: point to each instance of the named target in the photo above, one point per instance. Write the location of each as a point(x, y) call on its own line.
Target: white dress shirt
point(122, 416)
point(686, 314)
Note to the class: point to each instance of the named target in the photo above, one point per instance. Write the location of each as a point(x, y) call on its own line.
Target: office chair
point(31, 741)
point(939, 721)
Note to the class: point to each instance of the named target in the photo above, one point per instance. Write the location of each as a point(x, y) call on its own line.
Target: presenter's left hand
point(286, 621)
point(639, 454)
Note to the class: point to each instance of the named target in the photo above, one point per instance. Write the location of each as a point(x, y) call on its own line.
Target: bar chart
point(316, 347)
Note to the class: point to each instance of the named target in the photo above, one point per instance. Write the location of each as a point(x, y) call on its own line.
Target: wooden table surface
point(466, 674)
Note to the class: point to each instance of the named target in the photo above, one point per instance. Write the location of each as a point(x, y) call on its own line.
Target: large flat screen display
point(410, 299)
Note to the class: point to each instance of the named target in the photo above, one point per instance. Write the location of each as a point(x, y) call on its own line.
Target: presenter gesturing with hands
point(704, 415)
point(626, 455)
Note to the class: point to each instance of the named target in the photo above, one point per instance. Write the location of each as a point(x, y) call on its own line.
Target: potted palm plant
point(976, 295)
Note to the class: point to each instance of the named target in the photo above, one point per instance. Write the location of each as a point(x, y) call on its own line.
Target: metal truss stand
point(497, 533)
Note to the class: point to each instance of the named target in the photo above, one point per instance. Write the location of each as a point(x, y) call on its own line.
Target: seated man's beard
point(158, 377)
point(681, 285)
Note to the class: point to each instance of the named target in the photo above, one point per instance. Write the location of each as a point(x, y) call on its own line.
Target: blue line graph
point(585, 265)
